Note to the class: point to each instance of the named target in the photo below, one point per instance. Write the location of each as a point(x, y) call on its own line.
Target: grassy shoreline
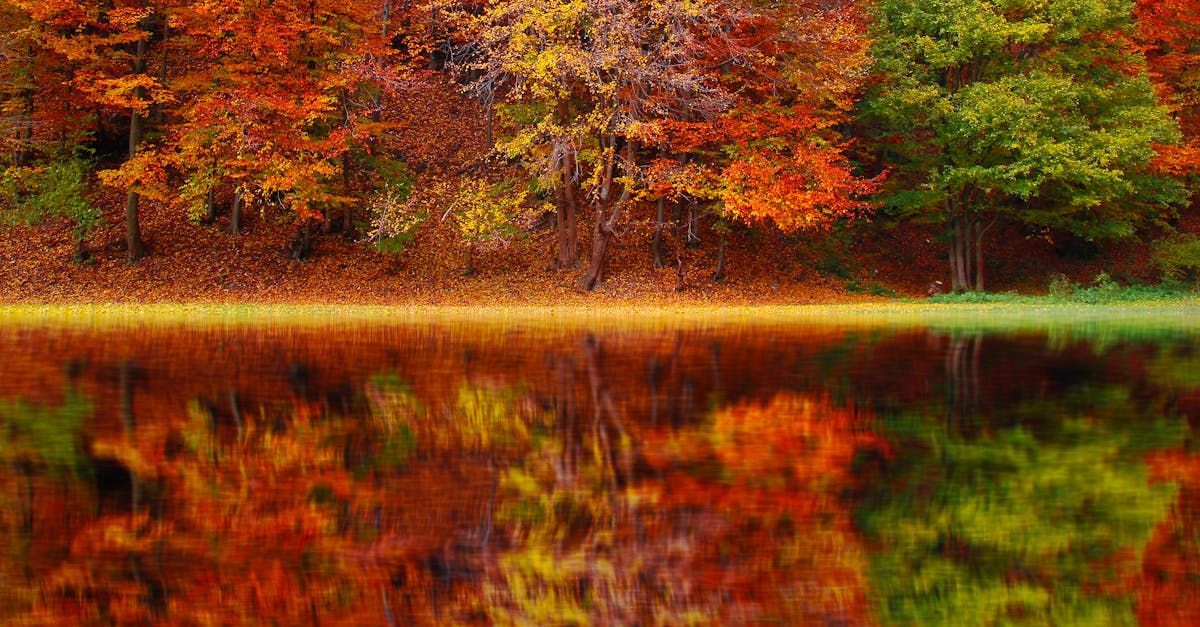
point(1175, 315)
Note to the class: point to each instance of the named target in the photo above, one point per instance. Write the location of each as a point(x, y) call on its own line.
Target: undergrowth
point(1102, 291)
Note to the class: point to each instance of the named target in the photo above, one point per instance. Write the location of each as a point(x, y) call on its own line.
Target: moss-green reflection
point(48, 436)
point(1037, 515)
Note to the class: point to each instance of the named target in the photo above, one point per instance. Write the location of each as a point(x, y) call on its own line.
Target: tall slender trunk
point(656, 247)
point(952, 257)
point(964, 243)
point(567, 221)
point(235, 214)
point(966, 257)
point(133, 232)
point(385, 18)
point(719, 275)
point(347, 166)
point(348, 186)
point(960, 250)
point(980, 229)
point(210, 207)
point(959, 281)
point(680, 284)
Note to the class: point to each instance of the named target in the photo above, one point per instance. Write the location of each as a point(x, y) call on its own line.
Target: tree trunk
point(656, 248)
point(133, 233)
point(566, 223)
point(961, 282)
point(434, 64)
point(952, 257)
point(968, 247)
point(347, 210)
point(568, 209)
point(719, 275)
point(679, 242)
point(979, 231)
point(601, 235)
point(301, 244)
point(82, 254)
point(235, 214)
point(608, 213)
point(210, 207)
point(385, 18)
point(966, 251)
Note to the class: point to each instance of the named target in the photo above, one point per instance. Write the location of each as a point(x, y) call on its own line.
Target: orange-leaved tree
point(104, 48)
point(1168, 32)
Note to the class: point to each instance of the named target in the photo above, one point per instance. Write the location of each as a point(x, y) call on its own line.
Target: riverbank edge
point(1181, 314)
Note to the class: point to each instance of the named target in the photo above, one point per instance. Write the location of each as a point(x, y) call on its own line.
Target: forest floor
point(188, 263)
point(191, 263)
point(195, 264)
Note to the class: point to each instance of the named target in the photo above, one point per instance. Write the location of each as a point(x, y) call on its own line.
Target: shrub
point(396, 213)
point(1179, 259)
point(56, 189)
point(1060, 286)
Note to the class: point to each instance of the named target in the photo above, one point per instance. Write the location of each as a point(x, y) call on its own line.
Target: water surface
point(443, 474)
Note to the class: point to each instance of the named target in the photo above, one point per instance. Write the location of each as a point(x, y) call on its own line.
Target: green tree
point(1039, 112)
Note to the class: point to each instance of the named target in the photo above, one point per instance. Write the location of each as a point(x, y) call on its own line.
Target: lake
point(359, 473)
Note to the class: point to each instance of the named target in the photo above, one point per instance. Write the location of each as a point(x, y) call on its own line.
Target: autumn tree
point(107, 46)
point(777, 155)
point(18, 91)
point(576, 79)
point(73, 65)
point(280, 104)
point(1037, 112)
point(1168, 32)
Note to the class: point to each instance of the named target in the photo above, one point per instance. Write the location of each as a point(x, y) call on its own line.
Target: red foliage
point(1167, 32)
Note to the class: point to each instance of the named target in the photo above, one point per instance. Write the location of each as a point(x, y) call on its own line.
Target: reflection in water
point(448, 475)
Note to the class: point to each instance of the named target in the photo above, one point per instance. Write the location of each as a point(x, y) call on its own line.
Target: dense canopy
point(712, 117)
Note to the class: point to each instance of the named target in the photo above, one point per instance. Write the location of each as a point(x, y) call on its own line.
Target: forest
point(940, 143)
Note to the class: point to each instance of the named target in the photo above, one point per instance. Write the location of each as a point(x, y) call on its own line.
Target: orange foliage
point(1167, 32)
point(1169, 591)
point(788, 550)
